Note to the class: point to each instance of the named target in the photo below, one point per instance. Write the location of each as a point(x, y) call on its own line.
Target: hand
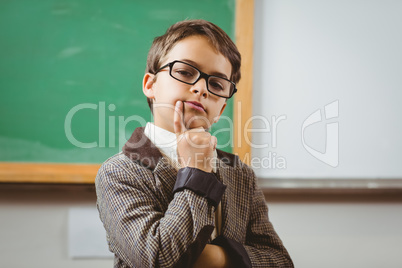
point(212, 256)
point(195, 147)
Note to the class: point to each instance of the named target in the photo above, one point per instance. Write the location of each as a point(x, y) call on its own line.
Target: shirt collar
point(163, 139)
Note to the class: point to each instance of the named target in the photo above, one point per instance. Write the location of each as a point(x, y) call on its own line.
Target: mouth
point(196, 105)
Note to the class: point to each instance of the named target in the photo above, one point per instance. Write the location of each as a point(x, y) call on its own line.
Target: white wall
point(340, 233)
point(34, 224)
point(318, 232)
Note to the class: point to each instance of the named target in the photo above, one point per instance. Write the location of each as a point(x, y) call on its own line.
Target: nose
point(200, 88)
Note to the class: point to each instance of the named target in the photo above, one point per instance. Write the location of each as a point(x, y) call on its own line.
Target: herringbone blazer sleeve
point(145, 226)
point(263, 244)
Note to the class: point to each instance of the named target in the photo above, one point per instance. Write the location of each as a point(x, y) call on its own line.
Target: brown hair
point(162, 45)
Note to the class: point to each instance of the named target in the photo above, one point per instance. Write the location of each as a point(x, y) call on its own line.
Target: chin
point(198, 121)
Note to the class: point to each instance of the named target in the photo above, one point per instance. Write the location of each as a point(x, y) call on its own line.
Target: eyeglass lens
point(188, 74)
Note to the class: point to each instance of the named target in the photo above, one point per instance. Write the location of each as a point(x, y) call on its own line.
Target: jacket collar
point(140, 149)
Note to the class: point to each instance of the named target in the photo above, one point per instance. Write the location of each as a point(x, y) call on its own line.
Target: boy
point(170, 198)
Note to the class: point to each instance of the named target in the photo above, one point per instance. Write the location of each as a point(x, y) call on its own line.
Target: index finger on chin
point(179, 127)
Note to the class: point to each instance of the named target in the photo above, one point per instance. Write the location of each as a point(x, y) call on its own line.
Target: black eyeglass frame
point(202, 75)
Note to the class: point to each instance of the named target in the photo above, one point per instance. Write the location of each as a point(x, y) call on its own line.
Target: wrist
point(205, 184)
point(198, 161)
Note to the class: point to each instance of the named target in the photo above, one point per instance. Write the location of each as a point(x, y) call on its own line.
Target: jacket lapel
point(140, 149)
point(234, 201)
point(225, 174)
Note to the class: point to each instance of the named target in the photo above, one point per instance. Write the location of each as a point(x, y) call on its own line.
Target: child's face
point(166, 91)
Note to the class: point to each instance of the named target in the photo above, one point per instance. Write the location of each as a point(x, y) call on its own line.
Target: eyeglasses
point(190, 75)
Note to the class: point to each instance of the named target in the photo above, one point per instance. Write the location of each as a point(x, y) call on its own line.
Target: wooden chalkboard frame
point(48, 173)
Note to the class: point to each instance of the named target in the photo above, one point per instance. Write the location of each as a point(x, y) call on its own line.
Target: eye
point(216, 84)
point(185, 73)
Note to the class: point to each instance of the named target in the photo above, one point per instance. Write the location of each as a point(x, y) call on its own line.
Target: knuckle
point(187, 135)
point(196, 139)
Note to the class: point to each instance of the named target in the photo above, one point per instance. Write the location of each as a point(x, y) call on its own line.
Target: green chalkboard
point(80, 64)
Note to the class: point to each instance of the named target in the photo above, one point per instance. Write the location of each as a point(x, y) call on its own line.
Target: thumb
point(214, 142)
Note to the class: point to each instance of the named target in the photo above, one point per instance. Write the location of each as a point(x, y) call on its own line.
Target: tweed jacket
point(151, 221)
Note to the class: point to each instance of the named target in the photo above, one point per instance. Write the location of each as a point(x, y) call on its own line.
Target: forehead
point(199, 51)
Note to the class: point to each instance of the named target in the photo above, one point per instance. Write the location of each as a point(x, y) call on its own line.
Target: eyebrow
point(213, 73)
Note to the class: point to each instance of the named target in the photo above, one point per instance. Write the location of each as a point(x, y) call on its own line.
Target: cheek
point(171, 91)
point(219, 106)
point(163, 94)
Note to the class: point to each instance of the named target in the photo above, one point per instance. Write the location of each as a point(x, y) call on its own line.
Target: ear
point(216, 119)
point(147, 85)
